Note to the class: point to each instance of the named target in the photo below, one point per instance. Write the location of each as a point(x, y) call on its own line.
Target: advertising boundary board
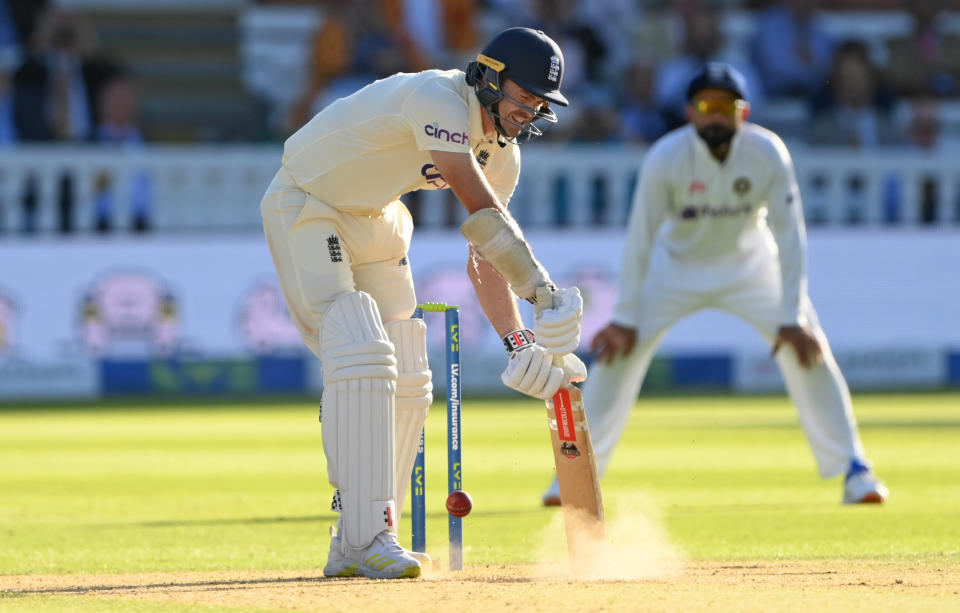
point(204, 314)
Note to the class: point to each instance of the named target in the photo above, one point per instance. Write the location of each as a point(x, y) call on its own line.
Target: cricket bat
point(573, 455)
point(576, 472)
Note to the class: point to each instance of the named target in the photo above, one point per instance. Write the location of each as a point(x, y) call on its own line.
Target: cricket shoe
point(384, 558)
point(551, 498)
point(862, 486)
point(338, 564)
point(420, 556)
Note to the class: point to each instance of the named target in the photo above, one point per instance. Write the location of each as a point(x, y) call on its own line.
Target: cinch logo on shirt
point(693, 211)
point(434, 130)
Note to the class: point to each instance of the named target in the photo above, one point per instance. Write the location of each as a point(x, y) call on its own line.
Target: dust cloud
point(636, 545)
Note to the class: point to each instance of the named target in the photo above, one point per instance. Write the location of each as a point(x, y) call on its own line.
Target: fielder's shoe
point(551, 498)
point(338, 564)
point(862, 486)
point(386, 559)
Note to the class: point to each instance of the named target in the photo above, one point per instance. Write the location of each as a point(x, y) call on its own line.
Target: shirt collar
point(476, 119)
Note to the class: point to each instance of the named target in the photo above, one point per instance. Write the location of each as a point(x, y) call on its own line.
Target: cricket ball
point(459, 503)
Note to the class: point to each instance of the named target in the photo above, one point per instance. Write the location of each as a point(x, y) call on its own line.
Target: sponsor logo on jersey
point(553, 73)
point(697, 186)
point(433, 176)
point(434, 130)
point(694, 211)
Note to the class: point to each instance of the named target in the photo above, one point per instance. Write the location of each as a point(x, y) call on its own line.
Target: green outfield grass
point(244, 487)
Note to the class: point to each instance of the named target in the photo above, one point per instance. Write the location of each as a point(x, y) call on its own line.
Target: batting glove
point(557, 327)
point(531, 372)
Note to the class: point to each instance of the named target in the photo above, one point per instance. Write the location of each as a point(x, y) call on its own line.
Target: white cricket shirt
point(366, 150)
point(702, 220)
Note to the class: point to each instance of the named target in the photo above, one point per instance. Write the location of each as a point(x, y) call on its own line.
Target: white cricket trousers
point(820, 394)
point(344, 277)
point(321, 254)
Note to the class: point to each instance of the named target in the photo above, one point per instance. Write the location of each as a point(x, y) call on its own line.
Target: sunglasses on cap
point(724, 107)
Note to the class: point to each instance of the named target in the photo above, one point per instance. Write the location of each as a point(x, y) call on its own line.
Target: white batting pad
point(414, 383)
point(359, 384)
point(414, 395)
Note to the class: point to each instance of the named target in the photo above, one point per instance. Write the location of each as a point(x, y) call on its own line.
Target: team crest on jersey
point(333, 247)
point(697, 186)
point(741, 186)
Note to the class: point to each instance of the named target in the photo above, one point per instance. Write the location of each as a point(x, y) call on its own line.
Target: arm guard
point(499, 241)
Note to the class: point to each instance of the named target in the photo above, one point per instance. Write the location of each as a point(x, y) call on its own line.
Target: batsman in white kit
point(717, 222)
point(339, 237)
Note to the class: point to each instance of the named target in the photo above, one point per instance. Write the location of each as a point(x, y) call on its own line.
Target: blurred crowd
point(628, 62)
point(56, 85)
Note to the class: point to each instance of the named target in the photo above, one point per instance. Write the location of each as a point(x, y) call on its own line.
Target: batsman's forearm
point(498, 301)
point(497, 238)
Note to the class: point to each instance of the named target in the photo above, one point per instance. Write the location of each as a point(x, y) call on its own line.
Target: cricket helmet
point(529, 58)
point(718, 75)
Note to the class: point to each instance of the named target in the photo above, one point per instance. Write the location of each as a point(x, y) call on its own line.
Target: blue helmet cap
point(528, 57)
point(717, 75)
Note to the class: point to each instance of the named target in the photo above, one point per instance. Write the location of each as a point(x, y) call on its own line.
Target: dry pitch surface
point(808, 586)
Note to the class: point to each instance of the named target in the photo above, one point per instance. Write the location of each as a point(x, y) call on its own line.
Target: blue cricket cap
point(718, 75)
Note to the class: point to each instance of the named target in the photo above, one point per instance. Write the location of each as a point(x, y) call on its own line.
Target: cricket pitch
point(801, 585)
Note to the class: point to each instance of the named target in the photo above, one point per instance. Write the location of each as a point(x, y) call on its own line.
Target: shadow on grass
point(234, 521)
point(224, 584)
point(213, 584)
